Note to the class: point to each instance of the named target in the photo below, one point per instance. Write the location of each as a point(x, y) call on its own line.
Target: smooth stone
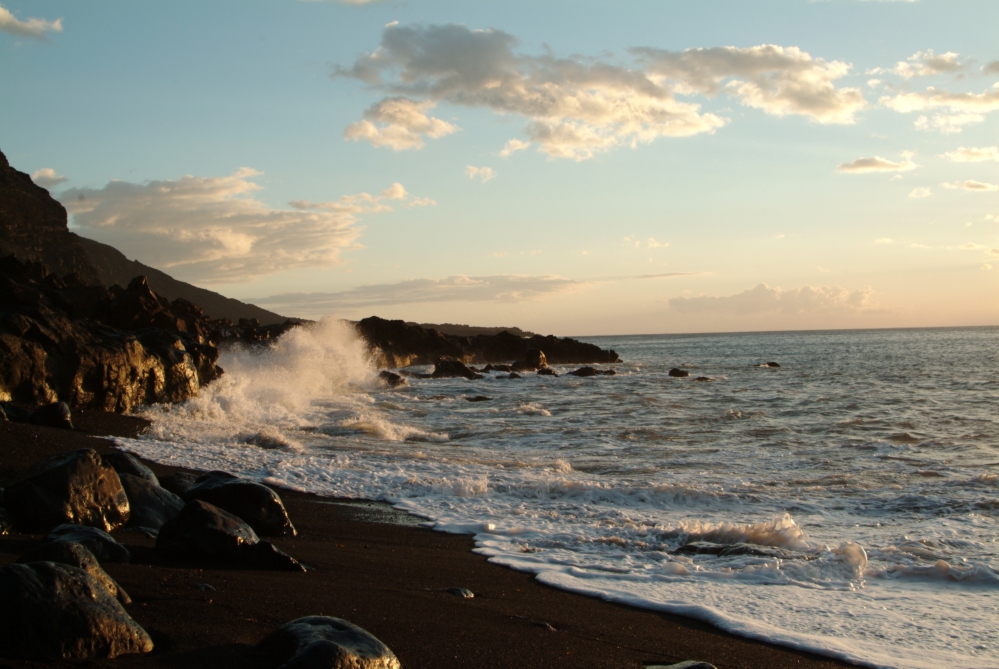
point(179, 482)
point(56, 414)
point(98, 542)
point(460, 592)
point(53, 611)
point(324, 642)
point(75, 555)
point(254, 502)
point(126, 463)
point(679, 373)
point(151, 505)
point(391, 379)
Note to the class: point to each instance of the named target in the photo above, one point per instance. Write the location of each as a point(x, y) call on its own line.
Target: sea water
point(863, 473)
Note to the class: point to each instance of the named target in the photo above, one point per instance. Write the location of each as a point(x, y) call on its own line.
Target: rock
point(151, 505)
point(75, 555)
point(511, 375)
point(771, 364)
point(534, 359)
point(323, 642)
point(98, 542)
point(497, 368)
point(460, 592)
point(478, 398)
point(390, 379)
point(703, 378)
point(547, 371)
point(446, 369)
point(255, 503)
point(687, 664)
point(6, 527)
point(415, 375)
point(126, 463)
point(54, 611)
point(14, 413)
point(74, 487)
point(179, 482)
point(679, 373)
point(590, 371)
point(726, 550)
point(56, 414)
point(204, 531)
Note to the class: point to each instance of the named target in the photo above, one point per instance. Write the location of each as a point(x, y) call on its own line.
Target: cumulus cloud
point(991, 68)
point(483, 174)
point(213, 230)
point(577, 107)
point(920, 192)
point(47, 178)
point(877, 164)
point(34, 28)
point(927, 64)
point(955, 109)
point(972, 185)
point(399, 123)
point(763, 300)
point(973, 154)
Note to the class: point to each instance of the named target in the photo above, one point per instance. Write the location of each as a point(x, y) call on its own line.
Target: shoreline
point(388, 577)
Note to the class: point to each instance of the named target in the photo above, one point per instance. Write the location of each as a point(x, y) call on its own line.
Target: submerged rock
point(679, 373)
point(390, 379)
point(478, 398)
point(179, 482)
point(53, 611)
point(126, 463)
point(770, 364)
point(446, 369)
point(590, 371)
point(98, 542)
point(727, 550)
point(75, 555)
point(324, 642)
point(497, 368)
point(546, 371)
point(254, 502)
point(74, 487)
point(151, 505)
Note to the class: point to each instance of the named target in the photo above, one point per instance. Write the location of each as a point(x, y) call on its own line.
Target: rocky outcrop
point(324, 642)
point(679, 373)
point(152, 506)
point(253, 502)
point(397, 344)
point(391, 380)
point(53, 611)
point(450, 369)
point(76, 555)
point(73, 487)
point(590, 371)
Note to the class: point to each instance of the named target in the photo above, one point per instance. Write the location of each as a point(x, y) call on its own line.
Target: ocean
point(846, 502)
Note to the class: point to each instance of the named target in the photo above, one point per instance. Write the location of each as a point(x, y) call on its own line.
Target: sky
point(568, 167)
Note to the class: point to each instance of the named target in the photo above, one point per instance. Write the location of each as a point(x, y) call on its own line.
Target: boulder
point(55, 414)
point(478, 398)
point(771, 364)
point(497, 368)
point(255, 503)
point(679, 373)
point(14, 413)
point(511, 375)
point(447, 369)
point(53, 611)
point(179, 482)
point(75, 555)
point(203, 531)
point(590, 371)
point(151, 505)
point(547, 371)
point(126, 463)
point(536, 357)
point(324, 642)
point(98, 542)
point(73, 487)
point(391, 379)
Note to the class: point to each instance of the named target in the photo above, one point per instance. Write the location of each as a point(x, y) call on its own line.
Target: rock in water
point(75, 555)
point(74, 487)
point(126, 463)
point(534, 359)
point(255, 503)
point(446, 369)
point(547, 371)
point(679, 373)
point(54, 611)
point(56, 414)
point(771, 364)
point(323, 642)
point(151, 505)
point(478, 398)
point(96, 541)
point(590, 371)
point(390, 379)
point(179, 482)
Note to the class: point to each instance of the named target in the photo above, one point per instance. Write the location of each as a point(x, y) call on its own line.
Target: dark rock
point(179, 482)
point(391, 380)
point(497, 368)
point(703, 378)
point(534, 359)
point(55, 414)
point(255, 503)
point(590, 371)
point(75, 555)
point(547, 371)
point(204, 531)
point(447, 369)
point(726, 550)
point(323, 642)
point(512, 375)
point(151, 505)
point(14, 413)
point(415, 375)
point(126, 463)
point(478, 398)
point(74, 487)
point(98, 542)
point(771, 364)
point(460, 592)
point(679, 373)
point(205, 587)
point(54, 611)
point(6, 526)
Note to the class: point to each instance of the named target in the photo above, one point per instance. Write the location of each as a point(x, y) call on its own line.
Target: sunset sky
point(574, 167)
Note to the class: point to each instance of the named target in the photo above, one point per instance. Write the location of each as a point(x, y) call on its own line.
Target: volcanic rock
point(447, 369)
point(253, 502)
point(98, 542)
point(324, 642)
point(126, 463)
point(75, 555)
point(151, 505)
point(679, 373)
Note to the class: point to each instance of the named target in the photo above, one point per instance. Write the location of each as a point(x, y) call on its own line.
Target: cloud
point(47, 178)
point(213, 230)
point(927, 64)
point(649, 243)
point(947, 124)
point(483, 174)
point(973, 154)
point(961, 108)
point(876, 164)
point(991, 68)
point(578, 107)
point(398, 123)
point(34, 28)
point(920, 192)
point(972, 185)
point(763, 300)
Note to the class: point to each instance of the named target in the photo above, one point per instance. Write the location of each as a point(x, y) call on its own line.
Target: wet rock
point(390, 379)
point(447, 369)
point(679, 373)
point(204, 531)
point(255, 503)
point(75, 555)
point(53, 611)
point(703, 378)
point(14, 413)
point(497, 368)
point(151, 505)
point(55, 414)
point(511, 375)
point(179, 482)
point(770, 364)
point(534, 359)
point(590, 371)
point(415, 375)
point(323, 642)
point(98, 542)
point(478, 398)
point(126, 463)
point(727, 550)
point(547, 371)
point(460, 592)
point(74, 487)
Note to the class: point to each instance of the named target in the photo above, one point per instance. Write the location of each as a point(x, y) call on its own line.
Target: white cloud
point(972, 185)
point(973, 154)
point(649, 243)
point(877, 164)
point(960, 108)
point(926, 64)
point(763, 299)
point(947, 124)
point(34, 28)
point(399, 123)
point(213, 230)
point(47, 178)
point(991, 68)
point(513, 146)
point(920, 192)
point(483, 174)
point(577, 107)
